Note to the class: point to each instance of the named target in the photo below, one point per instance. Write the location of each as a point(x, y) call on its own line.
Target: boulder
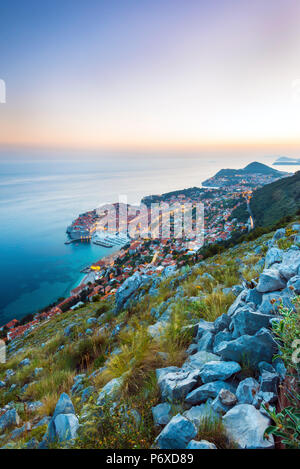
point(254, 349)
point(64, 406)
point(128, 288)
point(177, 434)
point(110, 391)
point(280, 233)
point(203, 444)
point(69, 329)
point(206, 342)
point(66, 426)
point(221, 323)
point(162, 414)
point(224, 401)
point(238, 303)
point(160, 372)
point(247, 390)
point(196, 361)
point(203, 327)
point(8, 419)
point(274, 255)
point(271, 301)
point(198, 413)
point(246, 426)
point(269, 382)
point(246, 321)
point(25, 362)
point(204, 392)
point(218, 370)
point(175, 386)
point(294, 284)
point(270, 280)
point(86, 393)
point(254, 296)
point(223, 336)
point(237, 289)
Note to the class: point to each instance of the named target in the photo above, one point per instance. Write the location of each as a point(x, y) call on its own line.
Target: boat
point(102, 242)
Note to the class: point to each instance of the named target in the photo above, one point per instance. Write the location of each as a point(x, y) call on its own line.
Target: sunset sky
point(150, 74)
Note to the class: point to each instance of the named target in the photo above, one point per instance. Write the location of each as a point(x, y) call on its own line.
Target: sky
point(171, 74)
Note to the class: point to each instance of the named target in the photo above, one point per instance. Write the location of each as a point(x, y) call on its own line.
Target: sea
point(41, 192)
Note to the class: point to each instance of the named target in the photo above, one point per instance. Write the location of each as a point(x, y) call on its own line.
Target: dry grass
point(212, 430)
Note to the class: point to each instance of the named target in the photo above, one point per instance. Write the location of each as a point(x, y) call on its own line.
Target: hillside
point(273, 202)
point(254, 175)
point(163, 363)
point(252, 168)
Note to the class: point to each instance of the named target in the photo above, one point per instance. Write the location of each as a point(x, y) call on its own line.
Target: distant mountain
point(252, 168)
point(272, 202)
point(285, 160)
point(227, 177)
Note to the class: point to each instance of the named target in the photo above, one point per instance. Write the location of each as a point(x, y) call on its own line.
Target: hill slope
point(273, 201)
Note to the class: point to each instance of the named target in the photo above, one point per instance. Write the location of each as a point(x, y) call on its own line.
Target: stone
point(2, 384)
point(264, 366)
point(160, 372)
point(177, 434)
point(33, 406)
point(89, 331)
point(253, 296)
point(280, 233)
point(203, 327)
point(86, 393)
point(280, 368)
point(37, 371)
point(69, 329)
point(254, 349)
point(25, 362)
point(246, 321)
point(204, 392)
point(223, 336)
point(224, 401)
point(128, 288)
point(161, 414)
point(269, 382)
point(238, 303)
point(66, 426)
point(198, 413)
point(247, 390)
point(91, 321)
point(175, 386)
point(246, 426)
point(196, 361)
point(9, 373)
point(274, 255)
point(271, 302)
point(64, 406)
point(221, 323)
point(208, 277)
point(110, 391)
point(206, 342)
point(218, 370)
point(237, 289)
point(270, 280)
point(202, 444)
point(8, 419)
point(294, 284)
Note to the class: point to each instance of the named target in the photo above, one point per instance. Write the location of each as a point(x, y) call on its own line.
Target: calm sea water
point(39, 199)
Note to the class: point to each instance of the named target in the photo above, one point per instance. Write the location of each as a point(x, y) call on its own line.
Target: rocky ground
point(180, 360)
